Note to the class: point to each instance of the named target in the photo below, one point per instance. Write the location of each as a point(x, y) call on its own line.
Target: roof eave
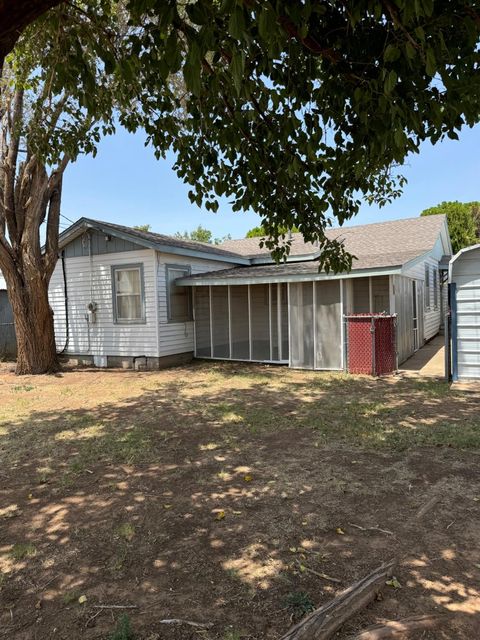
point(213, 281)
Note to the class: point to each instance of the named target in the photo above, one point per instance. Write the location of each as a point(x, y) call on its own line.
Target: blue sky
point(125, 184)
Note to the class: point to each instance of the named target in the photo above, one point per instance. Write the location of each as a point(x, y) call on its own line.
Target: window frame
point(187, 270)
point(435, 288)
point(427, 292)
point(128, 267)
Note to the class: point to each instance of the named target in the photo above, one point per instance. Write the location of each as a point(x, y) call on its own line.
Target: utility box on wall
point(371, 344)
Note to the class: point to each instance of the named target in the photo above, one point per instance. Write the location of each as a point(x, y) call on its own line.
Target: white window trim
point(128, 267)
point(427, 287)
point(435, 288)
point(187, 271)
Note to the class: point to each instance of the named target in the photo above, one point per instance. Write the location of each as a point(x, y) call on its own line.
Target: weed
point(71, 596)
point(22, 550)
point(234, 634)
point(119, 560)
point(126, 531)
point(23, 387)
point(123, 630)
point(299, 604)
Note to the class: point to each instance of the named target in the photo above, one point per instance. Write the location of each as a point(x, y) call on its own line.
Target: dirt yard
point(218, 493)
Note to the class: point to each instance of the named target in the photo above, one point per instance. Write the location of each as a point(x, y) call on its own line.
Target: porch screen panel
point(301, 325)
point(202, 322)
point(284, 319)
point(328, 325)
point(239, 326)
point(274, 321)
point(381, 294)
point(220, 330)
point(361, 295)
point(260, 319)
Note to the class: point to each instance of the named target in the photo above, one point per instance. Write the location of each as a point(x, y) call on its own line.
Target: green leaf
point(400, 138)
point(390, 81)
point(410, 50)
point(431, 63)
point(391, 53)
point(172, 52)
point(237, 68)
point(236, 24)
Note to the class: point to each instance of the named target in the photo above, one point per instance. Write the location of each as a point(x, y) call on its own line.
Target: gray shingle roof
point(375, 246)
point(152, 238)
point(380, 245)
point(381, 238)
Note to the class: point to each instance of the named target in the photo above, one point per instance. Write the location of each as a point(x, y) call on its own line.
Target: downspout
point(65, 293)
point(453, 327)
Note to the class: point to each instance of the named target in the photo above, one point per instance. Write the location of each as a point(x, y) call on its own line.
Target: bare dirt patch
point(213, 492)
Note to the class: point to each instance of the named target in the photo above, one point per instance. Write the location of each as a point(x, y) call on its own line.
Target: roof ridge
point(352, 226)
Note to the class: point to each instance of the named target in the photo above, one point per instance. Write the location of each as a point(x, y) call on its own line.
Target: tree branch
point(15, 17)
point(15, 117)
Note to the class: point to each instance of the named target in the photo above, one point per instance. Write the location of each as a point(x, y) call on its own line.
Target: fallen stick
point(399, 628)
point(357, 526)
point(115, 606)
point(324, 622)
point(318, 573)
point(427, 506)
point(200, 625)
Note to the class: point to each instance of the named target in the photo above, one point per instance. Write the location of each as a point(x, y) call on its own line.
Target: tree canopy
point(257, 232)
point(297, 110)
point(201, 234)
point(463, 221)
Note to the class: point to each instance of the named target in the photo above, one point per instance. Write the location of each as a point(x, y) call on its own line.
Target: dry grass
point(190, 487)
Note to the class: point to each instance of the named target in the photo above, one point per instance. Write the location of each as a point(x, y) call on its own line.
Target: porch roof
point(299, 271)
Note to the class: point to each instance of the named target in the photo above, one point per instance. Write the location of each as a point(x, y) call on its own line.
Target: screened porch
point(295, 323)
point(242, 322)
point(299, 323)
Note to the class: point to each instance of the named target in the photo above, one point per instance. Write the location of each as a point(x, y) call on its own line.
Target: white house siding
point(91, 280)
point(178, 337)
point(431, 315)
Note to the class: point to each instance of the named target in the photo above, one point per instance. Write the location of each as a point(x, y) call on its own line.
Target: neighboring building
point(464, 278)
point(8, 343)
point(131, 297)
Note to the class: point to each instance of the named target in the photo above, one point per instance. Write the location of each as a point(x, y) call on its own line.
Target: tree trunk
point(15, 17)
point(33, 316)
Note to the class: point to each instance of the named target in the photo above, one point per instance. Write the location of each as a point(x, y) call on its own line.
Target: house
point(124, 297)
point(291, 313)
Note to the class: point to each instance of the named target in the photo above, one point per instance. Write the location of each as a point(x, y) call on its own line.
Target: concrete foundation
point(139, 363)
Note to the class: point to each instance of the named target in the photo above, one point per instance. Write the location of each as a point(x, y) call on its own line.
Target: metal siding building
point(465, 276)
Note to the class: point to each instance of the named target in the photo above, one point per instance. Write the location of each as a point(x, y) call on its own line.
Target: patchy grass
point(22, 550)
point(201, 492)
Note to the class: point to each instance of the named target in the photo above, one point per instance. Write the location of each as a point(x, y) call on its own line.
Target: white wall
point(177, 337)
point(466, 275)
point(431, 315)
point(91, 281)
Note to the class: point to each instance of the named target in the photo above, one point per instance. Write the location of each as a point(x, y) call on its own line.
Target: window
point(179, 298)
point(435, 289)
point(427, 286)
point(128, 294)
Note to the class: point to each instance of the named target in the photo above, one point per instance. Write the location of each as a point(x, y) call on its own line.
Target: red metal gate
point(371, 343)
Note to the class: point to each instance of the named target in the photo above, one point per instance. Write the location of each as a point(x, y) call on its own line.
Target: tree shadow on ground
point(212, 492)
